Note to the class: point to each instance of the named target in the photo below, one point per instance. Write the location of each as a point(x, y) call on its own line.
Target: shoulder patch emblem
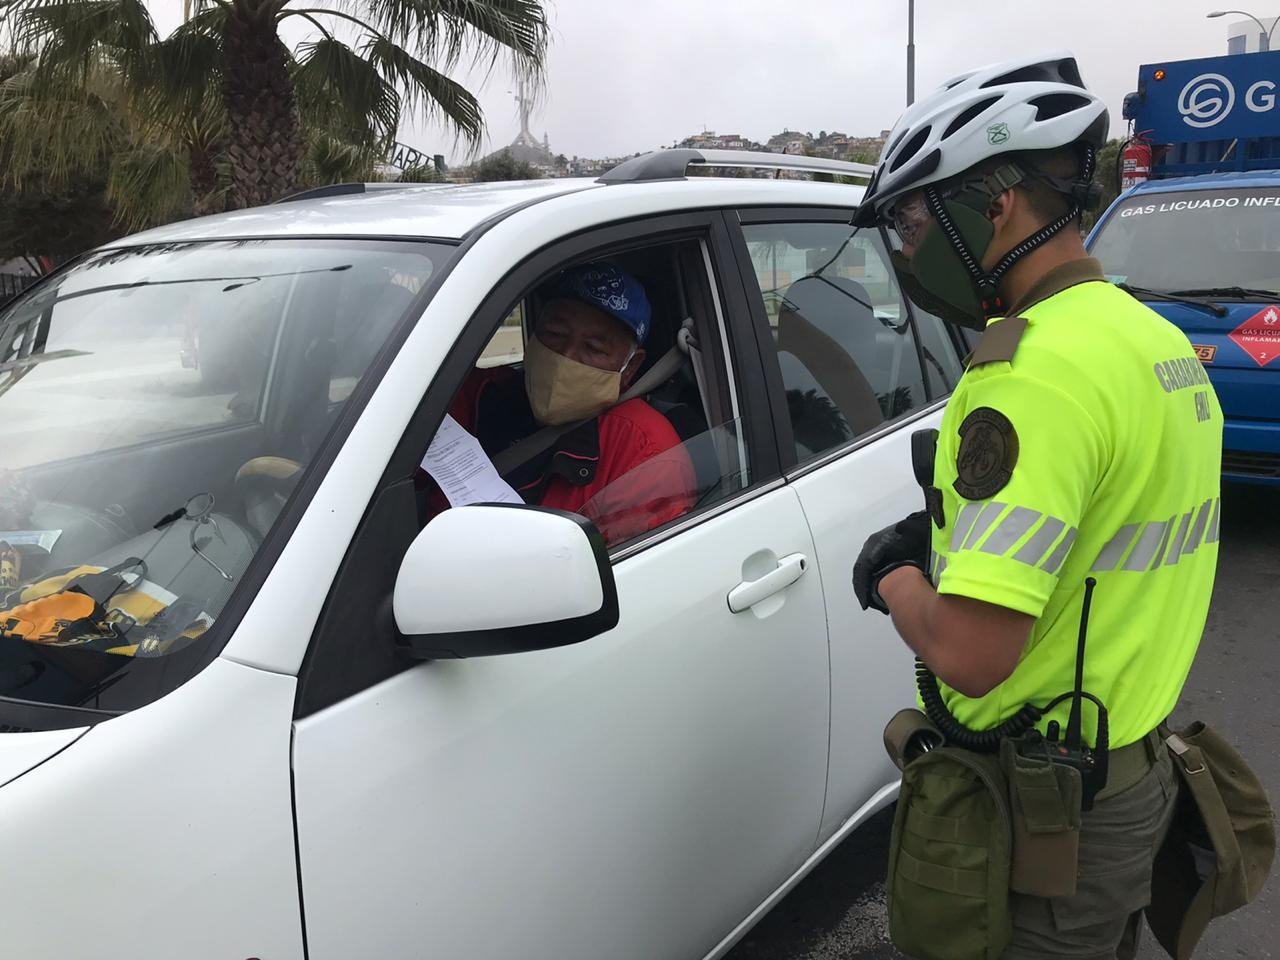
point(988, 453)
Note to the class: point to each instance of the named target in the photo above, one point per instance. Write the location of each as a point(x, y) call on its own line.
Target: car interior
point(696, 397)
point(823, 324)
point(180, 513)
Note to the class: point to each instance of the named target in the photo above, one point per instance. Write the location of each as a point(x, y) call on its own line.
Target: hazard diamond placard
point(1259, 336)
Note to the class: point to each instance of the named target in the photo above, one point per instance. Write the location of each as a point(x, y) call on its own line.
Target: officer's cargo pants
point(1119, 838)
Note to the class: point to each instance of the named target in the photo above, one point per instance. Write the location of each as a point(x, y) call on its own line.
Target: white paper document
point(464, 471)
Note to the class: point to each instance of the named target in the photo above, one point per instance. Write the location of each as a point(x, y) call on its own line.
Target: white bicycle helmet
point(1035, 103)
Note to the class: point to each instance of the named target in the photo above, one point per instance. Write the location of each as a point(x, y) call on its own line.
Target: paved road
point(838, 912)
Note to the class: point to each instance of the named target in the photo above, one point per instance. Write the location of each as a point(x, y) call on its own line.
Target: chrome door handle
point(750, 592)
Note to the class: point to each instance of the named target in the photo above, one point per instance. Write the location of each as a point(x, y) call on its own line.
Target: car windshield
point(158, 404)
point(1194, 240)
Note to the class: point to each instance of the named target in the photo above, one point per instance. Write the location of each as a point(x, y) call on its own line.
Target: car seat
point(824, 323)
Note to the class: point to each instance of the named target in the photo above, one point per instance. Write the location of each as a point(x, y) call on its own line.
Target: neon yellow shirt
point(1094, 452)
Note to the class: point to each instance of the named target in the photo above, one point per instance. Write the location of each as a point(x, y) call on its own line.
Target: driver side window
point(708, 451)
point(671, 442)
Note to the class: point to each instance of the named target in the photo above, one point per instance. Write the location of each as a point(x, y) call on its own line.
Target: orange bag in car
point(50, 619)
point(71, 608)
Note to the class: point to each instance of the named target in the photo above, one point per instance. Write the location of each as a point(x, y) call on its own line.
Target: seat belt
point(687, 339)
point(522, 451)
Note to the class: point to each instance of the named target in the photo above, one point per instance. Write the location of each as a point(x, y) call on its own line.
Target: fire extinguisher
point(1135, 162)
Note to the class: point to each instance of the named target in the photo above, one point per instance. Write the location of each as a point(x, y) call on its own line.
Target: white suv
point(244, 710)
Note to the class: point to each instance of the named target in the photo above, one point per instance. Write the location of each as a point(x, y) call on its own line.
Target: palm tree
point(226, 77)
point(83, 136)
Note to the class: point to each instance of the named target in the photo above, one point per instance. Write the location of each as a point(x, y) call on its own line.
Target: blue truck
point(1199, 239)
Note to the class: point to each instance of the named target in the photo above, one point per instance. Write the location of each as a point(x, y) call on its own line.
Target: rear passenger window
point(846, 346)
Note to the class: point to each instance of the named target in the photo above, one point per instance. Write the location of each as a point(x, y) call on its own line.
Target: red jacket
point(625, 470)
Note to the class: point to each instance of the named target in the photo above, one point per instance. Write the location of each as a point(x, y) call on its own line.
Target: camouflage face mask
point(936, 279)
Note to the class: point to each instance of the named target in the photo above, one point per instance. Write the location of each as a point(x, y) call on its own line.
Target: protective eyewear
point(908, 218)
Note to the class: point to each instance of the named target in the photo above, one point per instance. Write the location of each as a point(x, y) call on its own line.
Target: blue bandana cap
point(606, 287)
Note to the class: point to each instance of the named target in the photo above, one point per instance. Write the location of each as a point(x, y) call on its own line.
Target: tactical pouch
point(1220, 845)
point(909, 734)
point(1045, 804)
point(949, 858)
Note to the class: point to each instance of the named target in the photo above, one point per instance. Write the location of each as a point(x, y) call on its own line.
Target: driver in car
point(619, 464)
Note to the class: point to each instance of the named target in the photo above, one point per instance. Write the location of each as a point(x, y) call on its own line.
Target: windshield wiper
point(233, 283)
point(1230, 292)
point(1143, 293)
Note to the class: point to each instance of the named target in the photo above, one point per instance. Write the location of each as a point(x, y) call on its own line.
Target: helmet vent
point(896, 140)
point(922, 167)
point(1054, 71)
point(910, 148)
point(1069, 70)
point(967, 115)
point(1056, 104)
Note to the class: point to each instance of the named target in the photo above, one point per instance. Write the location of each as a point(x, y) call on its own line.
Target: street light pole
point(1265, 44)
point(911, 52)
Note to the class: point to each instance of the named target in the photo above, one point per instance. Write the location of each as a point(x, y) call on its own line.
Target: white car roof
point(419, 210)
point(451, 211)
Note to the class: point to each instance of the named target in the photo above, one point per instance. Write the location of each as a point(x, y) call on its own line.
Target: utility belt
point(971, 828)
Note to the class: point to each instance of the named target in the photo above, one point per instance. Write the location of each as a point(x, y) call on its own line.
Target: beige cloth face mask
point(561, 390)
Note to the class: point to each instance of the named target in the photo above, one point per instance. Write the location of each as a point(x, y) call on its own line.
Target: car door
point(855, 371)
point(635, 795)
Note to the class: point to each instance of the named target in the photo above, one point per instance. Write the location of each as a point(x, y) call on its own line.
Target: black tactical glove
point(903, 544)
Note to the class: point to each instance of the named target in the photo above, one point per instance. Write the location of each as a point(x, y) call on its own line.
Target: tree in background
point(244, 108)
point(424, 173)
point(1107, 174)
point(57, 222)
point(41, 214)
point(503, 166)
point(84, 134)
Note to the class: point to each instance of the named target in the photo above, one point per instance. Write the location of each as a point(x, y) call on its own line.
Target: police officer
point(1083, 441)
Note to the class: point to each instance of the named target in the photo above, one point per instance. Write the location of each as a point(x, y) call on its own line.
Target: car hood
point(1245, 352)
point(19, 752)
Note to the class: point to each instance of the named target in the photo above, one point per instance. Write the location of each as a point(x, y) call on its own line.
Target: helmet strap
point(987, 283)
point(984, 283)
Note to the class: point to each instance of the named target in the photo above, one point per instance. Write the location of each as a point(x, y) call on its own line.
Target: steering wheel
point(264, 484)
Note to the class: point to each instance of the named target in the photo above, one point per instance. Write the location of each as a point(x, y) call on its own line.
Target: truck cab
point(1199, 242)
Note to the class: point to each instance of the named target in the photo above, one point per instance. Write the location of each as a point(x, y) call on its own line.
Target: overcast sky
point(632, 75)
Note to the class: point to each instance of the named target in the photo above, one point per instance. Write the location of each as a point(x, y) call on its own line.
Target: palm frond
point(422, 86)
point(14, 63)
point(336, 87)
point(70, 33)
point(446, 31)
point(54, 138)
point(329, 159)
point(424, 173)
point(149, 184)
point(181, 72)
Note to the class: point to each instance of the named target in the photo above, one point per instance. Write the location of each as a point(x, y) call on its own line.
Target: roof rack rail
point(674, 163)
point(347, 189)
